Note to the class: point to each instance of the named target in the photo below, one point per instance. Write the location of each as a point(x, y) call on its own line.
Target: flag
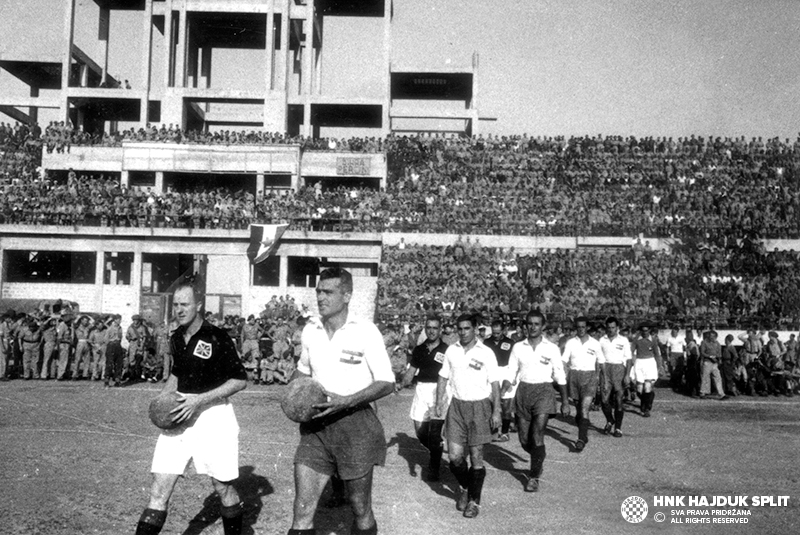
point(263, 241)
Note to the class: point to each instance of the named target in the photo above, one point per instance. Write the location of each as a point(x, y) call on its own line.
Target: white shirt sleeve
point(376, 356)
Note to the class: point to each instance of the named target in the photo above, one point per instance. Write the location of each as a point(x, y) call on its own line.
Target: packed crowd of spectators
point(515, 185)
point(739, 285)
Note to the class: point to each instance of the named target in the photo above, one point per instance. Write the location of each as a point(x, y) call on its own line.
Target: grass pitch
point(75, 458)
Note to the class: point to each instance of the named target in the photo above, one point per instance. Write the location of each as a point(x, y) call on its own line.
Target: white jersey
point(616, 351)
point(470, 373)
point(537, 365)
point(350, 361)
point(582, 356)
point(676, 344)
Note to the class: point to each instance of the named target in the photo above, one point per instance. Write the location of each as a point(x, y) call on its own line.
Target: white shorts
point(212, 442)
point(424, 405)
point(645, 370)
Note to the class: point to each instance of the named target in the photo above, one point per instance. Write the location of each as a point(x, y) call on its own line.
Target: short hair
point(536, 314)
point(468, 317)
point(192, 282)
point(582, 319)
point(499, 323)
point(344, 276)
point(729, 339)
point(612, 319)
point(435, 318)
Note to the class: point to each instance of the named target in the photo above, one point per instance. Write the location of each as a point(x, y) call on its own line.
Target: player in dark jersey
point(426, 361)
point(501, 345)
point(206, 372)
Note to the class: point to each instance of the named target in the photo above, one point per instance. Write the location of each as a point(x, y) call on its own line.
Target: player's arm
point(513, 367)
point(408, 376)
point(561, 379)
point(628, 356)
point(192, 403)
point(496, 406)
point(337, 403)
point(383, 378)
point(441, 392)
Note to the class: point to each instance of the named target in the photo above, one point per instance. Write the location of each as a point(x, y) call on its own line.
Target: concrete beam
point(17, 115)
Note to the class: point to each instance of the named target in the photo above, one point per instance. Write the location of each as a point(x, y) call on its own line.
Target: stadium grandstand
point(131, 186)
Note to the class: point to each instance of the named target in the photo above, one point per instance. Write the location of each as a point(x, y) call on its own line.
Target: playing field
point(75, 458)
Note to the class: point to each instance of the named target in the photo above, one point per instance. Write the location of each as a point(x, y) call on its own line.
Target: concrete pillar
point(136, 278)
point(180, 52)
point(125, 179)
point(386, 122)
point(169, 51)
point(270, 52)
point(84, 75)
point(205, 67)
point(283, 274)
point(147, 59)
point(259, 183)
point(105, 22)
point(66, 57)
point(99, 272)
point(159, 185)
point(33, 111)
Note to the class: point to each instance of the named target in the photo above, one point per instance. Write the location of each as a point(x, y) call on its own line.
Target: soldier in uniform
point(136, 335)
point(50, 345)
point(30, 338)
point(98, 344)
point(64, 337)
point(115, 356)
point(83, 350)
point(251, 354)
point(5, 346)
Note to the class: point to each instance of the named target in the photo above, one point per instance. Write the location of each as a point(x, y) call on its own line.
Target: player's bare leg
point(456, 453)
point(359, 493)
point(231, 510)
point(153, 518)
point(531, 438)
point(308, 485)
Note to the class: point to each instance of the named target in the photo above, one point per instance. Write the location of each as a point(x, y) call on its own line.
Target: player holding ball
point(202, 427)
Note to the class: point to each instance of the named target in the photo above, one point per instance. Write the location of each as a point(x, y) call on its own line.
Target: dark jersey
point(501, 348)
point(207, 361)
point(428, 362)
point(645, 348)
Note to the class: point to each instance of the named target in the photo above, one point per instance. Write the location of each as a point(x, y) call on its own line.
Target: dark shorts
point(469, 422)
point(348, 446)
point(613, 379)
point(582, 384)
point(534, 399)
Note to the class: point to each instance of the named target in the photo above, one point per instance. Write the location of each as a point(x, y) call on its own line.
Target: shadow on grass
point(251, 488)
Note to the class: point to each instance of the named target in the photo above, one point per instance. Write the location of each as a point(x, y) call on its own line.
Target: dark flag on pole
point(263, 241)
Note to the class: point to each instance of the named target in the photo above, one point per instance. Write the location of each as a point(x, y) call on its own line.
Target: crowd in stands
point(712, 285)
point(519, 185)
point(720, 196)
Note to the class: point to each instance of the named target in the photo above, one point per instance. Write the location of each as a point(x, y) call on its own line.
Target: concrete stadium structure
point(293, 85)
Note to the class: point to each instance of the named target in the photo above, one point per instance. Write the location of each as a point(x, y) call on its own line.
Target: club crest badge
point(202, 350)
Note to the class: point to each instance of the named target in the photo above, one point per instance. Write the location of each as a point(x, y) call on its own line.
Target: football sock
point(583, 430)
point(151, 522)
point(232, 518)
point(476, 478)
point(435, 445)
point(608, 413)
point(538, 454)
point(618, 414)
point(461, 473)
point(505, 427)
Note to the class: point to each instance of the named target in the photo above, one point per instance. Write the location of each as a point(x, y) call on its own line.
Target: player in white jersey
point(581, 357)
point(536, 364)
point(616, 367)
